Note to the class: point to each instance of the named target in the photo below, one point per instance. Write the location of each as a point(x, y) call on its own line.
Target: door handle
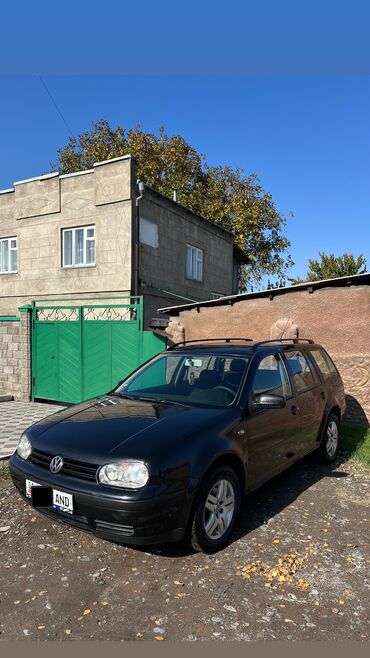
point(294, 409)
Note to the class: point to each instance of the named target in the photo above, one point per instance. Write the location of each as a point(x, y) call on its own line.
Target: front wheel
point(330, 441)
point(216, 510)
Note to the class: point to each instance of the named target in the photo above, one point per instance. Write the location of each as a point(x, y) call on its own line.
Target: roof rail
point(209, 340)
point(282, 340)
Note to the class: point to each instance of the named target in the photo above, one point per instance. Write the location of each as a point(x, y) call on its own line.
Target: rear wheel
point(330, 441)
point(216, 510)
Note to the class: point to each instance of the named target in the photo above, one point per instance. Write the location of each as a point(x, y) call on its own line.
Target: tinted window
point(271, 378)
point(300, 370)
point(192, 378)
point(321, 362)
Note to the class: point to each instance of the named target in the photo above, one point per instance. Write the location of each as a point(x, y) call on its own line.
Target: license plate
point(62, 501)
point(29, 484)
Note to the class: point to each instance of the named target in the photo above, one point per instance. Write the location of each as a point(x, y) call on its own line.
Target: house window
point(149, 233)
point(78, 246)
point(194, 263)
point(8, 255)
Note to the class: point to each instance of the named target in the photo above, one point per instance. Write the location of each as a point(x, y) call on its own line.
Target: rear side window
point(271, 378)
point(323, 362)
point(300, 369)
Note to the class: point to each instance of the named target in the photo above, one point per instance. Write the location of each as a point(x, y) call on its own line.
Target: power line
point(55, 105)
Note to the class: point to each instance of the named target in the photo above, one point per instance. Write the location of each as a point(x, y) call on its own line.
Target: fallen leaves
point(284, 571)
point(86, 612)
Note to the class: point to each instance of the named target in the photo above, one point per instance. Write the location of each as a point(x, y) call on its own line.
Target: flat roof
point(340, 282)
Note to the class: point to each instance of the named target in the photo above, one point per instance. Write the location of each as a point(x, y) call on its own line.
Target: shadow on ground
point(267, 501)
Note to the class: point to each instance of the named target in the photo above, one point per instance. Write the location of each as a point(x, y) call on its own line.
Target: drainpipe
point(141, 188)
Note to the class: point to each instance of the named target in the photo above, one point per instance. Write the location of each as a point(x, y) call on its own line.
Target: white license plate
point(29, 484)
point(62, 501)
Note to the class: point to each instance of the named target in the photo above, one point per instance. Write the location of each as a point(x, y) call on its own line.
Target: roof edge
point(356, 279)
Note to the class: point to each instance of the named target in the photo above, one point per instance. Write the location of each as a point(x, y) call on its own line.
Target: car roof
point(241, 346)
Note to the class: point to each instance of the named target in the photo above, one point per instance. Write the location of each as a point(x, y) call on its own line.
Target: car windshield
point(206, 380)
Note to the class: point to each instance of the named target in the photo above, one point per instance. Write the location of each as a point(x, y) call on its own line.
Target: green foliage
point(4, 469)
point(220, 193)
point(331, 267)
point(280, 283)
point(356, 444)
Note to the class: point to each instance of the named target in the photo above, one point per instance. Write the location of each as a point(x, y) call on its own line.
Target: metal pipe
point(141, 188)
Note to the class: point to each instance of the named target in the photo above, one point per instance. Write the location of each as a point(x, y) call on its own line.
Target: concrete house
point(76, 234)
point(86, 259)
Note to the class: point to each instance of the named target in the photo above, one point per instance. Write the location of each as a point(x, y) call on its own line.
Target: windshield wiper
point(123, 395)
point(146, 398)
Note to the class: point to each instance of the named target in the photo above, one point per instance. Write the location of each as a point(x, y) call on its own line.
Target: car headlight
point(24, 447)
point(130, 474)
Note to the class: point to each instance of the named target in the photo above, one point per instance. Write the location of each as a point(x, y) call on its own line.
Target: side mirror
point(269, 401)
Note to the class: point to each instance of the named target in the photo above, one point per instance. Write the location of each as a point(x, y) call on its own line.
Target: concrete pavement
point(15, 417)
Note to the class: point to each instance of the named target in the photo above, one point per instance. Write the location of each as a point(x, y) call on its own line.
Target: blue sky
point(281, 92)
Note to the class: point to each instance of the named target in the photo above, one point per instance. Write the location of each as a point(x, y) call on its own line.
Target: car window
point(300, 370)
point(322, 364)
point(271, 377)
point(193, 378)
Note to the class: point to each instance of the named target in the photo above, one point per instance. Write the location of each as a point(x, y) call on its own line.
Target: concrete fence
point(15, 355)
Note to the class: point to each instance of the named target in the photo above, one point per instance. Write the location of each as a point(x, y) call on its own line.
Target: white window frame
point(86, 239)
point(10, 249)
point(194, 256)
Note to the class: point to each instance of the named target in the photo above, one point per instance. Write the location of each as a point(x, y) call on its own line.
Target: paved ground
point(15, 417)
point(298, 568)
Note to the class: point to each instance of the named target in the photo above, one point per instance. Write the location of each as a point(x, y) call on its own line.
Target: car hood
point(115, 427)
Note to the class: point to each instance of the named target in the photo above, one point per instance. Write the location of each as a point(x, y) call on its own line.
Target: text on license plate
point(62, 501)
point(29, 484)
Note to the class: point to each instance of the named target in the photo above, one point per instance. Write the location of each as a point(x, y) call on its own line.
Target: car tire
point(330, 441)
point(216, 510)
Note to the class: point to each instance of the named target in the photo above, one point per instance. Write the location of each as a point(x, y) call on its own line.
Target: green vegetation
point(4, 469)
point(332, 267)
point(356, 444)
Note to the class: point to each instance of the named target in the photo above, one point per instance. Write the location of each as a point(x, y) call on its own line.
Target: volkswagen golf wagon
point(173, 449)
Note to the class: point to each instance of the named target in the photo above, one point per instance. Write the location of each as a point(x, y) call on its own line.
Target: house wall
point(337, 317)
point(164, 267)
point(36, 211)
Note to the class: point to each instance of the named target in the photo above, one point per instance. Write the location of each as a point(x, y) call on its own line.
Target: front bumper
point(111, 515)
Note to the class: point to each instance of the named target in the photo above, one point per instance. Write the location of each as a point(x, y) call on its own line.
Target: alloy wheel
point(219, 509)
point(332, 437)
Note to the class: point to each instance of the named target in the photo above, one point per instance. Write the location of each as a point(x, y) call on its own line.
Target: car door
point(310, 396)
point(272, 434)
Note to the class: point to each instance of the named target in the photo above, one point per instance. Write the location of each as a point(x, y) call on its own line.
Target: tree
point(331, 267)
point(220, 193)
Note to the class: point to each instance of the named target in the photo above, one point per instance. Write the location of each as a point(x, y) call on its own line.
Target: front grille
point(71, 467)
point(126, 530)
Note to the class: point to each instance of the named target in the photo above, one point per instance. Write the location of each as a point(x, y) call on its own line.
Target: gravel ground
point(297, 569)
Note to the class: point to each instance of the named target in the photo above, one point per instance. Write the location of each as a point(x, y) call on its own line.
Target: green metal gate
point(79, 352)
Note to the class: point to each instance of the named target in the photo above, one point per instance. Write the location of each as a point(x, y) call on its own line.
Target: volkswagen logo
point(56, 464)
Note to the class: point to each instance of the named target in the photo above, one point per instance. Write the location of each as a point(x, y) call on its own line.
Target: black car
point(173, 449)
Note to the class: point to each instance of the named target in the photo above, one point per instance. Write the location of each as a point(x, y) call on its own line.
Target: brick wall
point(10, 358)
